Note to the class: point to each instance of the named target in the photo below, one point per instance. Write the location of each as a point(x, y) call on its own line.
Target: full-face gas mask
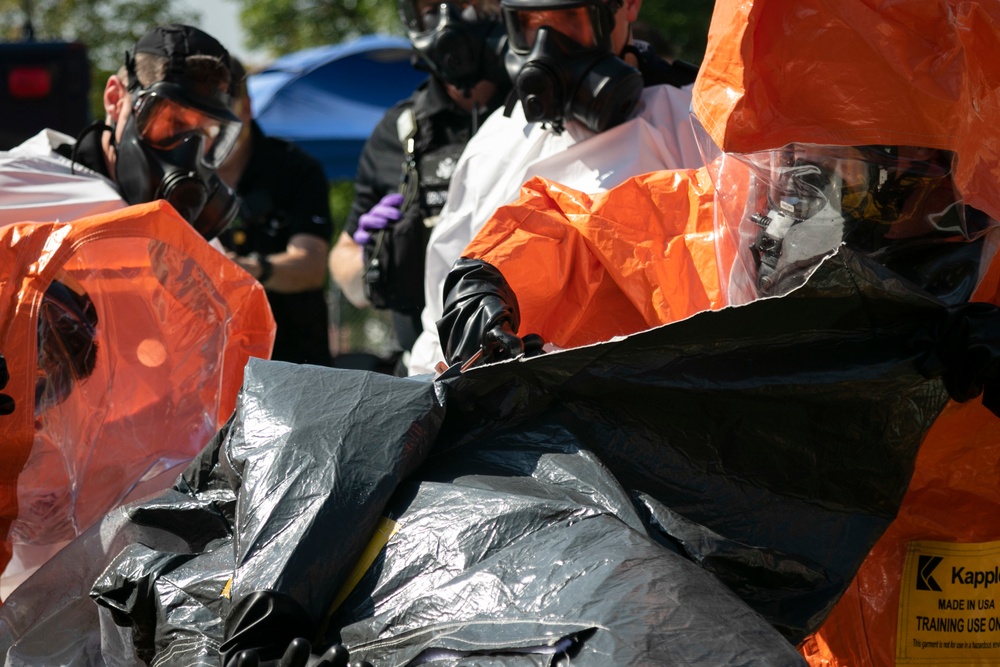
point(896, 205)
point(459, 41)
point(177, 135)
point(561, 61)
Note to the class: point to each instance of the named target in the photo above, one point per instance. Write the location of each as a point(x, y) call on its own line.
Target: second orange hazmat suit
point(823, 72)
point(176, 323)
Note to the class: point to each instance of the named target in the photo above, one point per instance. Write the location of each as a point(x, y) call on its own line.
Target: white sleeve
point(448, 239)
point(471, 183)
point(42, 189)
point(426, 352)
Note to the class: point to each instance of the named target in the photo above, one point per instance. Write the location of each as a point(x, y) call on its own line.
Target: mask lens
point(164, 123)
point(577, 23)
point(804, 178)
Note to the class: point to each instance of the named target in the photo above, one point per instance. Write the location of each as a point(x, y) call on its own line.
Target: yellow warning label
point(949, 605)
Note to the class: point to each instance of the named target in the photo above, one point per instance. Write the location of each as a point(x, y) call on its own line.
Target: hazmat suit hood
point(788, 89)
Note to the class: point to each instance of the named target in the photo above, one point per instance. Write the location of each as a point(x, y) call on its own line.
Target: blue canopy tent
point(328, 99)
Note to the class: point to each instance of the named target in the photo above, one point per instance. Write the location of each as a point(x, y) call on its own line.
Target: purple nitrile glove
point(379, 217)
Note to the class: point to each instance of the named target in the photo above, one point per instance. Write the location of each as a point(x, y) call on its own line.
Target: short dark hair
point(150, 68)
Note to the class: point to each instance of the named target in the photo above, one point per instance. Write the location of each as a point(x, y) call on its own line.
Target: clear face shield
point(783, 211)
point(67, 348)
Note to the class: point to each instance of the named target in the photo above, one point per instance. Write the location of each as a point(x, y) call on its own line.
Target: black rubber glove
point(480, 313)
point(298, 654)
point(6, 402)
point(967, 353)
point(262, 628)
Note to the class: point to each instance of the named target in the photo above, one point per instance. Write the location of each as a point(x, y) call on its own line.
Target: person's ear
point(115, 97)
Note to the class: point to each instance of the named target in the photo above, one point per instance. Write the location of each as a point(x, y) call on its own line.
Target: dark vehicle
point(42, 84)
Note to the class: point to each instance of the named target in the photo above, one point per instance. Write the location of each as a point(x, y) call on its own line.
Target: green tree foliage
point(683, 24)
point(106, 27)
point(284, 26)
point(341, 198)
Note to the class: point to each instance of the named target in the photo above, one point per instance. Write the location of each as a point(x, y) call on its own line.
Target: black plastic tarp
point(698, 494)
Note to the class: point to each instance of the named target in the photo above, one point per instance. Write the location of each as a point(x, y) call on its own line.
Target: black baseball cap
point(176, 42)
point(180, 41)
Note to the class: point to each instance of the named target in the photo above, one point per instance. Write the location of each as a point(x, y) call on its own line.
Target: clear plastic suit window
point(781, 212)
point(126, 385)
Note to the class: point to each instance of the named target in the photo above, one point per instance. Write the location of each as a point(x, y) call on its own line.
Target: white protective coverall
point(39, 185)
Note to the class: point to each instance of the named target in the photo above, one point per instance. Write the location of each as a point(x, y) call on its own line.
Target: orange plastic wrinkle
point(177, 322)
point(855, 72)
point(586, 269)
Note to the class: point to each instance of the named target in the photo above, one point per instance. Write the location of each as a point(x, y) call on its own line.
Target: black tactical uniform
point(284, 192)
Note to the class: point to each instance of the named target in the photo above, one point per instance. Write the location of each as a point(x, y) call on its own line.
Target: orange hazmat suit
point(176, 323)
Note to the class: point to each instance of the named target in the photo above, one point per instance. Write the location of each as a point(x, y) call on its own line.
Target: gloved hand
point(6, 402)
point(481, 314)
point(298, 654)
point(263, 628)
point(381, 215)
point(966, 353)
